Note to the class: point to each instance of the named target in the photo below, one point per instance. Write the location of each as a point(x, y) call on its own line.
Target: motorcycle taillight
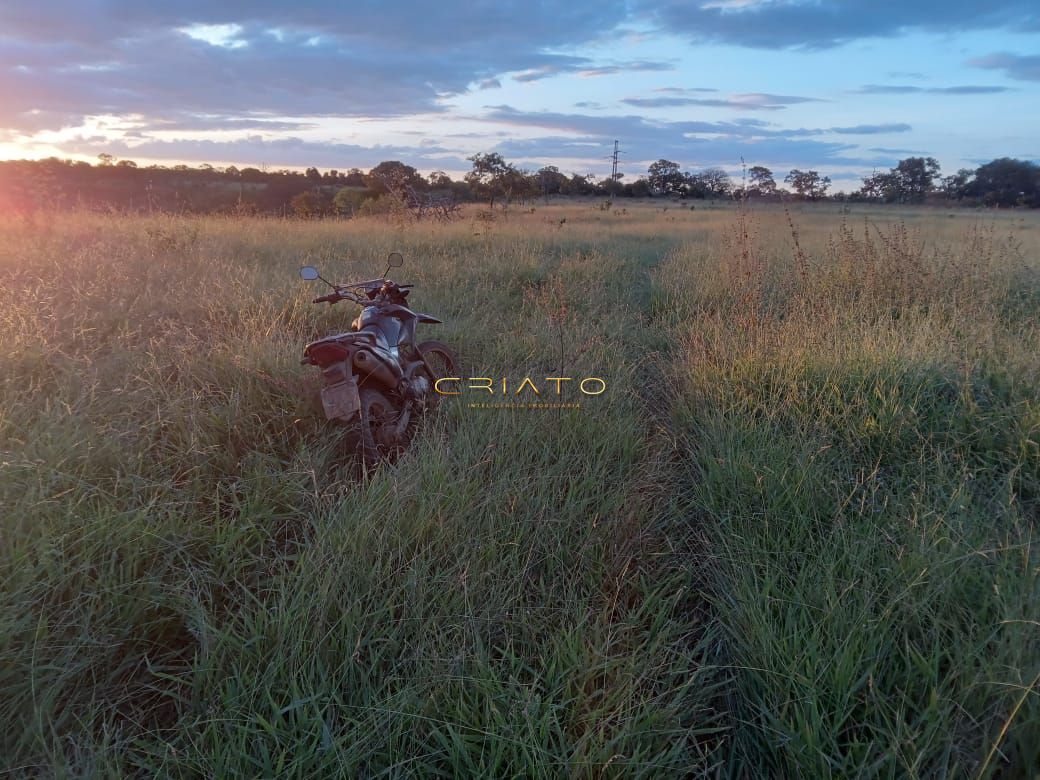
point(325, 353)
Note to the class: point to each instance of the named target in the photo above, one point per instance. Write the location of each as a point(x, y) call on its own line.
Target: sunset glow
point(843, 88)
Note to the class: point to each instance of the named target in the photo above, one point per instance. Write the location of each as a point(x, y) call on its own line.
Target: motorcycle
point(378, 380)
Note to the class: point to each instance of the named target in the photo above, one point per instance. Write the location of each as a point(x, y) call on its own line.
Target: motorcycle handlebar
point(339, 295)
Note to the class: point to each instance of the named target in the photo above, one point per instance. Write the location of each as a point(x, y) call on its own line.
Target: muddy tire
point(441, 362)
point(377, 418)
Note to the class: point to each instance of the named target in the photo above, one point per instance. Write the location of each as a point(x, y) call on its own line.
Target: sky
point(843, 87)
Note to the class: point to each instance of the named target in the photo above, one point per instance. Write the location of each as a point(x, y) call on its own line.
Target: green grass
point(794, 537)
point(863, 451)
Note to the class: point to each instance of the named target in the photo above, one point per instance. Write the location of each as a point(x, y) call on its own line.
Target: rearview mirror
point(309, 273)
point(395, 259)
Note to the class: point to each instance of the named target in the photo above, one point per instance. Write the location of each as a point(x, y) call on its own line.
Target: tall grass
point(862, 419)
point(195, 584)
point(795, 535)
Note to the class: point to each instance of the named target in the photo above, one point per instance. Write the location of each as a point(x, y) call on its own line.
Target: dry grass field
point(796, 535)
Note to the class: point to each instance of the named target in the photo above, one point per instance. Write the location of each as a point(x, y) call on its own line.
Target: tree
point(490, 176)
point(715, 182)
point(709, 183)
point(519, 184)
point(909, 182)
point(347, 201)
point(808, 184)
point(551, 181)
point(915, 177)
point(1007, 182)
point(355, 178)
point(666, 178)
point(761, 181)
point(306, 204)
point(955, 186)
point(694, 186)
point(579, 184)
point(880, 186)
point(640, 188)
point(393, 177)
point(439, 180)
point(313, 176)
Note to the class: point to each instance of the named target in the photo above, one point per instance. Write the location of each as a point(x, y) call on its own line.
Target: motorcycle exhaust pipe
point(369, 367)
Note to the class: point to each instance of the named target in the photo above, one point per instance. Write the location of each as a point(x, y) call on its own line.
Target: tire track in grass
point(670, 548)
point(511, 598)
point(648, 587)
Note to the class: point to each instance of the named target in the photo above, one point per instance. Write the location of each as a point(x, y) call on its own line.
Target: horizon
point(842, 90)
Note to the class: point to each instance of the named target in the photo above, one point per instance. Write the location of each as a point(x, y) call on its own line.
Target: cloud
point(256, 150)
point(777, 153)
point(197, 122)
point(815, 24)
point(691, 143)
point(271, 69)
point(894, 127)
point(906, 89)
point(1025, 67)
point(684, 90)
point(626, 67)
point(627, 126)
point(748, 101)
point(68, 59)
point(616, 126)
point(585, 67)
point(456, 28)
point(887, 150)
point(555, 68)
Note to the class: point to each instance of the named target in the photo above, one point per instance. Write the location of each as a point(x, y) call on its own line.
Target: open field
point(797, 534)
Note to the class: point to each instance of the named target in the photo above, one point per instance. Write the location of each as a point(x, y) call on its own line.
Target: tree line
point(1002, 182)
point(27, 185)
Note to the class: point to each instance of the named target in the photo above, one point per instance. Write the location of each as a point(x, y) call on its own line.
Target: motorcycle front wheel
point(441, 362)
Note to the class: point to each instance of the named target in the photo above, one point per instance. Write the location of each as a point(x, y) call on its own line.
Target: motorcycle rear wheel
point(375, 436)
point(378, 418)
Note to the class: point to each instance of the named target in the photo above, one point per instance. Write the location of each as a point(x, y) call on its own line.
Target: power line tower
point(613, 170)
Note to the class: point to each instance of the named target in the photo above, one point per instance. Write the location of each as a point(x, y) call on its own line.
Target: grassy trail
point(795, 537)
point(188, 589)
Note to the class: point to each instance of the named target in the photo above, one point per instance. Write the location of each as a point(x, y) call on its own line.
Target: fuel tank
point(385, 326)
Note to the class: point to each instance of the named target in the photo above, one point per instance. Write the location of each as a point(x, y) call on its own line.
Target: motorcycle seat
point(375, 336)
point(375, 339)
